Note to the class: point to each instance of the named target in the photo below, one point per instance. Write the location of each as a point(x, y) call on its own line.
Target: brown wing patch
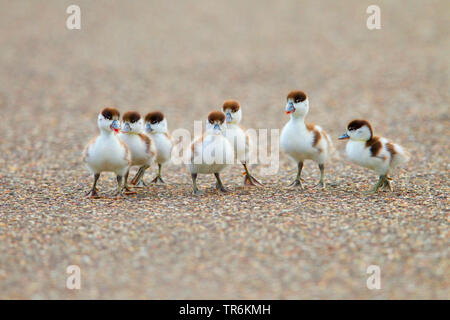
point(317, 136)
point(327, 139)
point(297, 96)
point(391, 149)
point(193, 144)
point(146, 140)
point(233, 105)
point(131, 116)
point(375, 146)
point(86, 150)
point(247, 141)
point(127, 152)
point(216, 116)
point(154, 117)
point(111, 113)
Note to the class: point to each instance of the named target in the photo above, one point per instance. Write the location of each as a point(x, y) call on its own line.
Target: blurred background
point(185, 58)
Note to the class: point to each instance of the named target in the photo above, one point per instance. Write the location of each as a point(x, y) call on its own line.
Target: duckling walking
point(141, 147)
point(211, 153)
point(107, 152)
point(376, 153)
point(156, 128)
point(238, 137)
point(303, 141)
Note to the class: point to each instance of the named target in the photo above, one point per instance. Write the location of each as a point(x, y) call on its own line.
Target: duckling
point(211, 153)
point(107, 152)
point(156, 128)
point(238, 138)
point(142, 149)
point(375, 153)
point(303, 141)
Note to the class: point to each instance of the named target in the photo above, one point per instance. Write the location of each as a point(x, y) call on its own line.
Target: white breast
point(358, 153)
point(107, 154)
point(138, 149)
point(238, 139)
point(163, 147)
point(211, 155)
point(297, 141)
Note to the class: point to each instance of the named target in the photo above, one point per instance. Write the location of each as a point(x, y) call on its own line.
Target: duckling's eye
point(297, 100)
point(154, 121)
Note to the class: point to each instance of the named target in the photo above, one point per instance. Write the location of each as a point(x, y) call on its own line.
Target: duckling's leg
point(298, 180)
point(127, 190)
point(378, 185)
point(93, 192)
point(194, 184)
point(219, 184)
point(138, 180)
point(158, 177)
point(249, 180)
point(387, 183)
point(322, 175)
point(119, 186)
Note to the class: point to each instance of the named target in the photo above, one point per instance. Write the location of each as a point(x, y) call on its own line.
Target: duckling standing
point(141, 147)
point(156, 128)
point(107, 152)
point(238, 137)
point(303, 141)
point(375, 153)
point(211, 153)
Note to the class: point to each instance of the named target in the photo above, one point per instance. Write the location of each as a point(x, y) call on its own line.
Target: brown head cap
point(297, 96)
point(216, 116)
point(154, 117)
point(233, 105)
point(356, 124)
point(131, 116)
point(111, 113)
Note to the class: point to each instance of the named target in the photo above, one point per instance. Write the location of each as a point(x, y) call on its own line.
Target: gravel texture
point(186, 57)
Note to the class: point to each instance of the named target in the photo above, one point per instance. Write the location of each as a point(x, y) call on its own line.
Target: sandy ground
point(185, 58)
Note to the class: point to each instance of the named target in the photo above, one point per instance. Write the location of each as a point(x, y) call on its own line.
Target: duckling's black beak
point(344, 136)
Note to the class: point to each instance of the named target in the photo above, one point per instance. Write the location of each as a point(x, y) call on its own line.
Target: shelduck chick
point(107, 152)
point(211, 153)
point(156, 128)
point(238, 138)
point(375, 153)
point(303, 141)
point(141, 147)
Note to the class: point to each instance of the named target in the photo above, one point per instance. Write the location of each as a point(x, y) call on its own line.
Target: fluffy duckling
point(107, 152)
point(376, 153)
point(238, 138)
point(141, 147)
point(303, 141)
point(210, 153)
point(156, 128)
